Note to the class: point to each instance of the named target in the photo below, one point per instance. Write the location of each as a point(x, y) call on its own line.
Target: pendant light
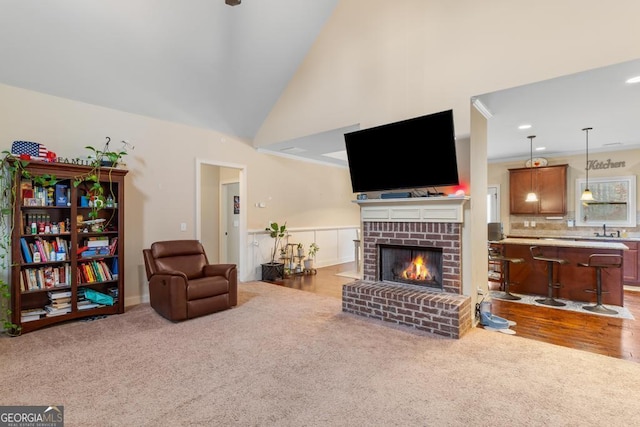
point(531, 197)
point(587, 196)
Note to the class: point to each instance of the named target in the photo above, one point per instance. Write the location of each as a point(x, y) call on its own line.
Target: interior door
point(230, 222)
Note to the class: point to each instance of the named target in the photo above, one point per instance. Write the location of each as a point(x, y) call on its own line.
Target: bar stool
point(600, 261)
point(505, 262)
point(537, 254)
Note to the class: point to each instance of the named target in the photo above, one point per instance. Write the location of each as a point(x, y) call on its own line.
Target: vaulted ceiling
point(209, 65)
point(198, 62)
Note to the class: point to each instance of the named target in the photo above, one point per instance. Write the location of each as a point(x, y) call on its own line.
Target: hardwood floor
point(619, 338)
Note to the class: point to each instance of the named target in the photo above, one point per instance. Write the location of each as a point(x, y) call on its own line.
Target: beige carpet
point(286, 357)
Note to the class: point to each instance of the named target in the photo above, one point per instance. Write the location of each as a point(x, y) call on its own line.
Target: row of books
point(44, 250)
point(45, 277)
point(94, 271)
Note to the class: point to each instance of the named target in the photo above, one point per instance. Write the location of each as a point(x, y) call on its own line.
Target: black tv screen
point(409, 154)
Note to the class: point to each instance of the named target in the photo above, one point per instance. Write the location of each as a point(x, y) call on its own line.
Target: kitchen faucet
point(604, 232)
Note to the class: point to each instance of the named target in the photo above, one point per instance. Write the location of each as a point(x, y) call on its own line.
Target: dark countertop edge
point(565, 237)
point(568, 243)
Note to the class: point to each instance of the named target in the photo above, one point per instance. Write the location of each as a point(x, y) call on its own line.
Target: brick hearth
point(435, 312)
point(416, 223)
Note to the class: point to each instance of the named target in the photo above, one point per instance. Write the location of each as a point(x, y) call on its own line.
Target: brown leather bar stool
point(505, 262)
point(600, 261)
point(537, 254)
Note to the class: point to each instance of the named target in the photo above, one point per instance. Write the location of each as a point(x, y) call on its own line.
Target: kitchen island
point(530, 277)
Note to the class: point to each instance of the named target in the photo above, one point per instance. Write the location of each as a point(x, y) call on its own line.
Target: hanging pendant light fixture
point(531, 197)
point(587, 196)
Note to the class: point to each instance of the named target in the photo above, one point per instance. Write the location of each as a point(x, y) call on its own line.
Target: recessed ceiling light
point(523, 127)
point(541, 148)
point(635, 79)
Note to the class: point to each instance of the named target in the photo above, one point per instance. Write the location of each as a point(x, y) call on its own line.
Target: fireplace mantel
point(414, 209)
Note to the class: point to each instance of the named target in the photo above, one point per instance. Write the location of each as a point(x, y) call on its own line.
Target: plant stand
point(272, 271)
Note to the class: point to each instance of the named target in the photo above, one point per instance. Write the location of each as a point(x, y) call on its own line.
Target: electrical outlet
point(183, 226)
point(533, 223)
point(526, 223)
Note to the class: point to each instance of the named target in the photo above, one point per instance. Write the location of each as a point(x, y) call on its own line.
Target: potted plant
point(91, 181)
point(308, 263)
point(300, 250)
point(273, 269)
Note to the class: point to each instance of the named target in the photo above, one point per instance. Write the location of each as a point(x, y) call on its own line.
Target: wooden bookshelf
point(52, 223)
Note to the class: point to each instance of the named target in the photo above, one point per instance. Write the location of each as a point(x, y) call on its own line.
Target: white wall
point(378, 61)
point(160, 188)
point(336, 245)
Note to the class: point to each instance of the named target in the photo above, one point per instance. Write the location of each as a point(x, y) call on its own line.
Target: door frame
point(242, 173)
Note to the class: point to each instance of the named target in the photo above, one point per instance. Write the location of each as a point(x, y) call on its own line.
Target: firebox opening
point(414, 265)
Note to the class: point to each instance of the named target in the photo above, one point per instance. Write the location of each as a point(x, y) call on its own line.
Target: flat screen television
point(410, 154)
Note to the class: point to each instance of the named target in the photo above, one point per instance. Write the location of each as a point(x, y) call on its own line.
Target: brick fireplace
point(420, 224)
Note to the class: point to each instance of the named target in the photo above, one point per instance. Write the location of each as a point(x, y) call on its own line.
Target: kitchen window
point(614, 202)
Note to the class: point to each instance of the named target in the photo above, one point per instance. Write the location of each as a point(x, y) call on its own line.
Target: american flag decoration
point(33, 149)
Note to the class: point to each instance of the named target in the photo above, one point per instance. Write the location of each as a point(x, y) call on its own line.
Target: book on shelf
point(58, 303)
point(32, 311)
point(58, 294)
point(61, 195)
point(113, 247)
point(58, 313)
point(94, 252)
point(26, 189)
point(30, 318)
point(97, 242)
point(54, 310)
point(41, 249)
point(26, 253)
point(86, 305)
point(23, 282)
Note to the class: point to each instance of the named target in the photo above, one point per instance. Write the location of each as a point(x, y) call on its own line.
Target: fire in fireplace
point(414, 265)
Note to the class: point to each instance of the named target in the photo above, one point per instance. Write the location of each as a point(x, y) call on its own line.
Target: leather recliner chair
point(182, 283)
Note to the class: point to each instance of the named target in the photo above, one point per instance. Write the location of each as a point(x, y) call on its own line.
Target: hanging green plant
point(90, 181)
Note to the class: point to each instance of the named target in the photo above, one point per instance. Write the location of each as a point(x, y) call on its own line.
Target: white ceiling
point(198, 62)
point(209, 65)
point(558, 110)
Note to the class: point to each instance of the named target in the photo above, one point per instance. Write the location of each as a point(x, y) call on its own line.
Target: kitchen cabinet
point(630, 264)
point(550, 185)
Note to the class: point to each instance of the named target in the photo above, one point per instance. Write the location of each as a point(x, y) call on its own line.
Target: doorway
point(215, 181)
point(493, 203)
point(229, 222)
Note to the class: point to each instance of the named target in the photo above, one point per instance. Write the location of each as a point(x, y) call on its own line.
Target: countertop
point(563, 243)
point(629, 238)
